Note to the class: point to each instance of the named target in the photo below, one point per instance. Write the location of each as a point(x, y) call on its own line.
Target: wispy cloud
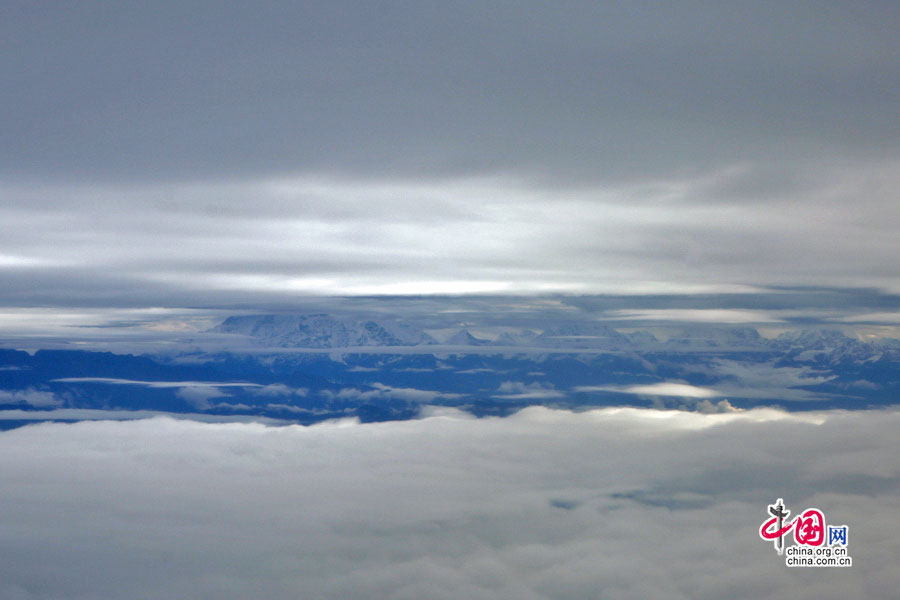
point(159, 384)
point(517, 390)
point(684, 315)
point(92, 414)
point(382, 391)
point(682, 390)
point(31, 397)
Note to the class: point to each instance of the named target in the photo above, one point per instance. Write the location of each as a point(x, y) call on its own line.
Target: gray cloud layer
point(618, 503)
point(213, 152)
point(266, 240)
point(584, 90)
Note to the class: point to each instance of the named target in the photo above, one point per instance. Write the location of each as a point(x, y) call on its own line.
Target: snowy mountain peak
point(717, 337)
point(814, 337)
point(322, 331)
point(464, 338)
point(520, 338)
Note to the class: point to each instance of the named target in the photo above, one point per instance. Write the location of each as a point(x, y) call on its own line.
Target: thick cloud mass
point(616, 503)
point(227, 154)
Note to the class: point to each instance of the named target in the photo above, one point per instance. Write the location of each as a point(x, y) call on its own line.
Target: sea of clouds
point(546, 504)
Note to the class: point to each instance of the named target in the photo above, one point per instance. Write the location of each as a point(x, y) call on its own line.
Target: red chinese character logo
point(809, 528)
point(766, 534)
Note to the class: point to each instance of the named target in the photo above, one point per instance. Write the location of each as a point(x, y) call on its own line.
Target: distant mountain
point(817, 345)
point(642, 338)
point(464, 338)
point(582, 335)
point(590, 365)
point(323, 331)
point(522, 338)
point(327, 331)
point(718, 338)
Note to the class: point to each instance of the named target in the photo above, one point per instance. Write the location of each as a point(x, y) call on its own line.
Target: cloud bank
point(132, 246)
point(212, 153)
point(613, 503)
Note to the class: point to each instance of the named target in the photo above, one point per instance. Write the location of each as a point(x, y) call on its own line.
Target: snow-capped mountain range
point(311, 367)
point(323, 331)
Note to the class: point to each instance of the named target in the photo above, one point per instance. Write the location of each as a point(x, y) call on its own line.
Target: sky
point(218, 154)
